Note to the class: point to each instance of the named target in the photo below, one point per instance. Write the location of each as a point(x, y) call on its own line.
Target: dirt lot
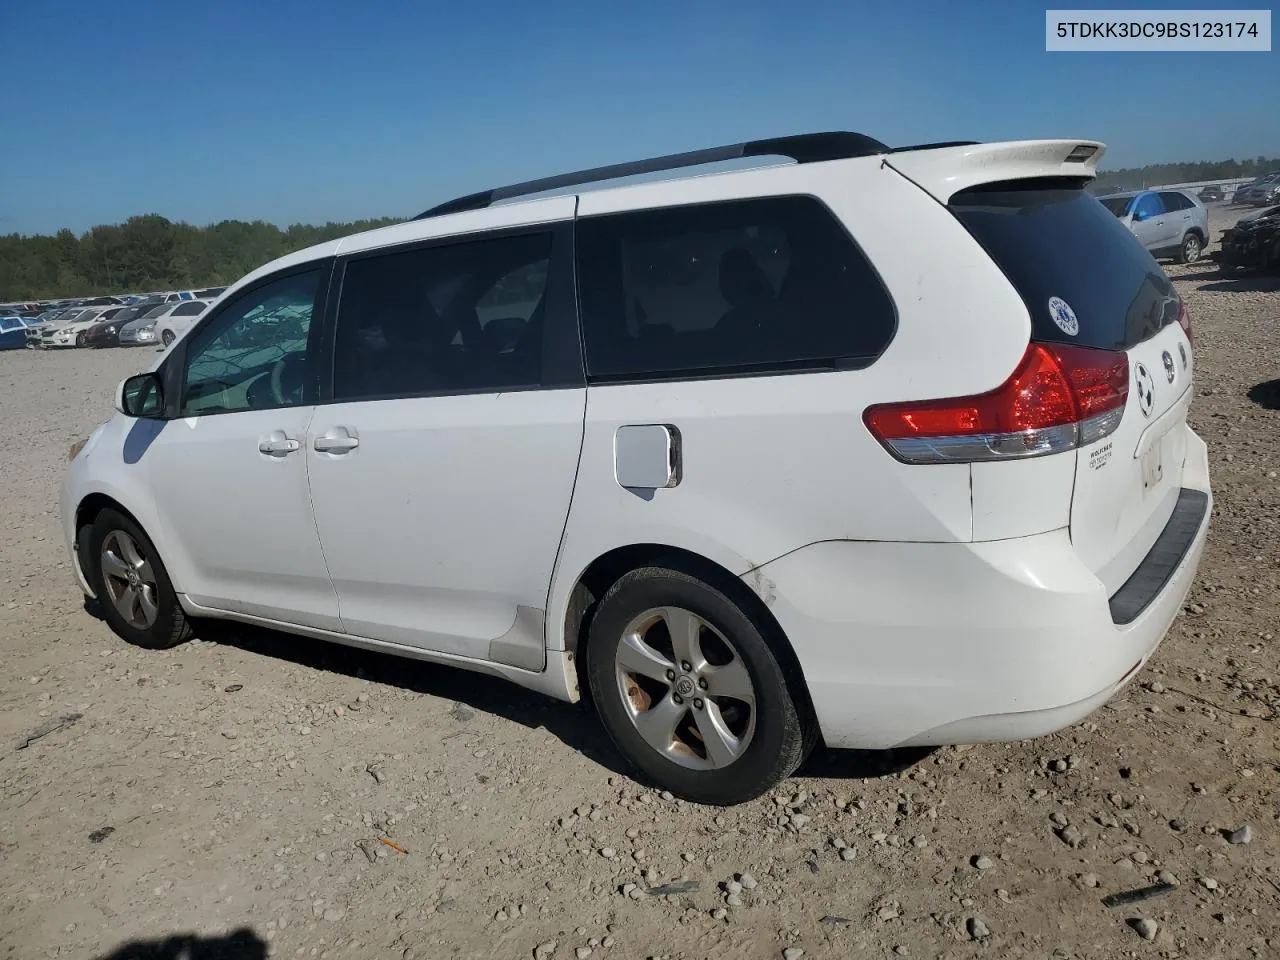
point(238, 787)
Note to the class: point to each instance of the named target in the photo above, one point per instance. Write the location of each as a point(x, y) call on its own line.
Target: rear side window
point(1058, 243)
point(762, 285)
point(457, 318)
point(1174, 201)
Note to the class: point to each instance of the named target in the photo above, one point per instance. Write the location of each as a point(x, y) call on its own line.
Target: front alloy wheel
point(129, 580)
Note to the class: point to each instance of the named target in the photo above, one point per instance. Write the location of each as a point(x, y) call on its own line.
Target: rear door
point(1061, 245)
point(442, 468)
point(1150, 224)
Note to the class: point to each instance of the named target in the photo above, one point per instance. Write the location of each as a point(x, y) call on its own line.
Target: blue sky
point(314, 110)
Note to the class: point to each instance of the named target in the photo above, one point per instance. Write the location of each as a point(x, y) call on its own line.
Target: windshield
point(1117, 205)
point(159, 311)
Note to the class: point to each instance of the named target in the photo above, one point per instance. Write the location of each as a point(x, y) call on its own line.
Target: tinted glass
point(1117, 205)
point(1062, 243)
point(189, 310)
point(1174, 201)
point(253, 354)
point(155, 312)
point(754, 285)
point(461, 318)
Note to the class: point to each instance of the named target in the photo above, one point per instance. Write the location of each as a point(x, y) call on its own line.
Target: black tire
point(170, 626)
point(80, 339)
point(784, 731)
point(167, 337)
point(1191, 249)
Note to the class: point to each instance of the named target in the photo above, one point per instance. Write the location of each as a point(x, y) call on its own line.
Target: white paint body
point(925, 604)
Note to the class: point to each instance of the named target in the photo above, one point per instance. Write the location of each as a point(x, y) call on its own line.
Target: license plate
point(1153, 465)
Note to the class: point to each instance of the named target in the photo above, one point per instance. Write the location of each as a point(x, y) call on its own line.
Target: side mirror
point(1139, 216)
point(141, 396)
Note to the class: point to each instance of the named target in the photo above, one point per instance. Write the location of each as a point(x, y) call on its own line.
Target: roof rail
point(936, 146)
point(804, 148)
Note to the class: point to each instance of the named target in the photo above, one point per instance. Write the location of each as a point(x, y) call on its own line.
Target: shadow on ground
point(242, 944)
point(1249, 283)
point(575, 725)
point(1266, 394)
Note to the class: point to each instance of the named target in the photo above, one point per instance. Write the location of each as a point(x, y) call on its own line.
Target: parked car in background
point(971, 515)
point(13, 333)
point(1253, 193)
point(1211, 194)
point(142, 331)
point(36, 334)
point(106, 332)
point(1253, 243)
point(1169, 223)
point(173, 324)
point(74, 334)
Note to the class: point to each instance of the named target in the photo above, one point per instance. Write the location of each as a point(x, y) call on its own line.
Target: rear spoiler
point(946, 171)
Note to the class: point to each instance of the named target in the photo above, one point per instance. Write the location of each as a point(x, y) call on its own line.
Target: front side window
point(461, 318)
point(1149, 205)
point(761, 285)
point(254, 354)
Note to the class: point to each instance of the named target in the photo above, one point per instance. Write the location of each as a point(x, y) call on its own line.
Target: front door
point(230, 475)
point(442, 470)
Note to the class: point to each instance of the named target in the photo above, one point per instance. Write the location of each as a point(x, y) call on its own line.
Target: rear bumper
point(912, 644)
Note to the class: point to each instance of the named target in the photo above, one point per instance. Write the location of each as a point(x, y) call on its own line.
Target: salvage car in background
point(13, 333)
point(73, 334)
point(1169, 223)
point(142, 331)
point(1253, 243)
point(106, 333)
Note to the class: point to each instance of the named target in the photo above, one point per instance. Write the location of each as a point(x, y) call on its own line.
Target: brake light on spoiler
point(1058, 398)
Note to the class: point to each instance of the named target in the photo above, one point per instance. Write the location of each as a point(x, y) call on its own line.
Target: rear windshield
point(1084, 277)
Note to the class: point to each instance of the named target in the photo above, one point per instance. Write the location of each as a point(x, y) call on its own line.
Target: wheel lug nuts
point(697, 704)
point(671, 674)
point(677, 698)
point(702, 682)
point(685, 666)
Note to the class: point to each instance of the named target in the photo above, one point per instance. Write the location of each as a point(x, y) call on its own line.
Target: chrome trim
point(980, 447)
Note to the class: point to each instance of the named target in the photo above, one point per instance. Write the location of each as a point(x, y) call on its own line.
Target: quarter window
point(462, 318)
point(254, 352)
point(762, 285)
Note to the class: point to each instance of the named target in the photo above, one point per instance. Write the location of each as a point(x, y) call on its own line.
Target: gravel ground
point(254, 794)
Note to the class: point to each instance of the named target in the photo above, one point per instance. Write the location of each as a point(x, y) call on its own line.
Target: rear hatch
point(1087, 282)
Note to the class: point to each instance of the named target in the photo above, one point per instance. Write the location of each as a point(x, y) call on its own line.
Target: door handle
point(276, 443)
point(336, 440)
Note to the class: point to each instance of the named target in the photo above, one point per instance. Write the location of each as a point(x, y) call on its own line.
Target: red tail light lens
point(1184, 319)
point(1058, 398)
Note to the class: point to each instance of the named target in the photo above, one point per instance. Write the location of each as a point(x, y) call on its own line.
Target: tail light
point(1184, 319)
point(1059, 398)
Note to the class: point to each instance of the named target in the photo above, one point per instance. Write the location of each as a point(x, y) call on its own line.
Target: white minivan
point(879, 447)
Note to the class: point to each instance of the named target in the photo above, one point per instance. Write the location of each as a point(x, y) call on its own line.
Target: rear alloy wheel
point(689, 689)
point(1191, 248)
point(168, 337)
point(137, 599)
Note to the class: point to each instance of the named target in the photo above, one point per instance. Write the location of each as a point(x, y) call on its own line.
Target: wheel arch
point(605, 570)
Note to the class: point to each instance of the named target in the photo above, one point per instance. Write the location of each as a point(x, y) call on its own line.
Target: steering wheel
point(282, 393)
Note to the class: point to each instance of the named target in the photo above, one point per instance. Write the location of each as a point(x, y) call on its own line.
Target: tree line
point(1157, 174)
point(149, 253)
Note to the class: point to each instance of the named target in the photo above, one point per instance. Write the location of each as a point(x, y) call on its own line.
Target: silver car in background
point(1169, 223)
point(142, 332)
